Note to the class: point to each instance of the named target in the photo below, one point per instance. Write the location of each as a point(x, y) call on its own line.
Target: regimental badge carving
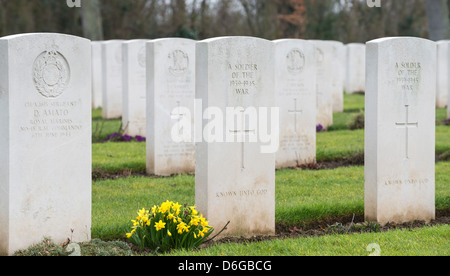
point(319, 56)
point(295, 61)
point(178, 63)
point(51, 73)
point(142, 57)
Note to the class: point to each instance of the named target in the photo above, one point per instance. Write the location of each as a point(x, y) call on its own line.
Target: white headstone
point(443, 73)
point(45, 146)
point(356, 68)
point(295, 94)
point(134, 87)
point(112, 79)
point(400, 130)
point(325, 60)
point(234, 80)
point(96, 74)
point(338, 76)
point(170, 102)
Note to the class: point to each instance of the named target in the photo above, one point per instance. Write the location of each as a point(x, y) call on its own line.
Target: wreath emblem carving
point(295, 61)
point(178, 63)
point(51, 74)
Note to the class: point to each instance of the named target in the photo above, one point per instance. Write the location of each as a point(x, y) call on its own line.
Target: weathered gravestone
point(400, 130)
point(134, 87)
point(295, 94)
point(443, 73)
point(45, 146)
point(112, 63)
point(170, 104)
point(96, 74)
point(356, 68)
point(234, 177)
point(325, 61)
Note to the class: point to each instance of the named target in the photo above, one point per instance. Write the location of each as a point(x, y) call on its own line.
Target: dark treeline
point(343, 20)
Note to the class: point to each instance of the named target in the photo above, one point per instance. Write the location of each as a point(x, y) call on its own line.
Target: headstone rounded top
point(40, 35)
point(403, 38)
point(232, 38)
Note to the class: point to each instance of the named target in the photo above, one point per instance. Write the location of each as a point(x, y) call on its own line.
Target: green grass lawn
point(302, 196)
point(427, 241)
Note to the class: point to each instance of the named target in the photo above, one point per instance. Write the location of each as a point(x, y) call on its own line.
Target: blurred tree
point(292, 18)
point(344, 20)
point(92, 20)
point(438, 19)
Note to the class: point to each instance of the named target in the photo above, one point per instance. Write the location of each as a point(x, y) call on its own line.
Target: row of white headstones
point(144, 80)
point(46, 126)
point(122, 66)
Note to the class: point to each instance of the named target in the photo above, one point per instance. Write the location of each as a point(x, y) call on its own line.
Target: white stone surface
point(45, 146)
point(338, 74)
point(235, 181)
point(134, 87)
point(171, 94)
point(400, 130)
point(325, 60)
point(295, 93)
point(96, 74)
point(112, 87)
point(443, 73)
point(356, 68)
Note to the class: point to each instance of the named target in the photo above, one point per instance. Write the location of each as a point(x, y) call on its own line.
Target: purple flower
point(447, 122)
point(140, 138)
point(320, 128)
point(127, 138)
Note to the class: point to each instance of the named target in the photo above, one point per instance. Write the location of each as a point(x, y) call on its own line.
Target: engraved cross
point(243, 132)
point(295, 112)
point(407, 125)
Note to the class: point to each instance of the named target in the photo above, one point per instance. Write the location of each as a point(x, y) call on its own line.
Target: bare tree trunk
point(92, 20)
point(438, 19)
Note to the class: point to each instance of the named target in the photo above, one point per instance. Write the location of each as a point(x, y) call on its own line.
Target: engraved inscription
point(51, 74)
point(406, 181)
point(243, 78)
point(51, 119)
point(242, 193)
point(408, 75)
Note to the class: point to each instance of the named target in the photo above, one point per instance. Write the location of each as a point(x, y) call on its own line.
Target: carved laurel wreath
point(179, 63)
point(51, 74)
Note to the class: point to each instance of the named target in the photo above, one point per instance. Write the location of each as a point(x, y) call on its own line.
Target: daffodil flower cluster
point(169, 226)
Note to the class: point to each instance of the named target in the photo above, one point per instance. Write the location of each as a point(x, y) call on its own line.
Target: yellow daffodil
point(193, 211)
point(194, 221)
point(160, 225)
point(176, 207)
point(165, 206)
point(154, 209)
point(168, 233)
